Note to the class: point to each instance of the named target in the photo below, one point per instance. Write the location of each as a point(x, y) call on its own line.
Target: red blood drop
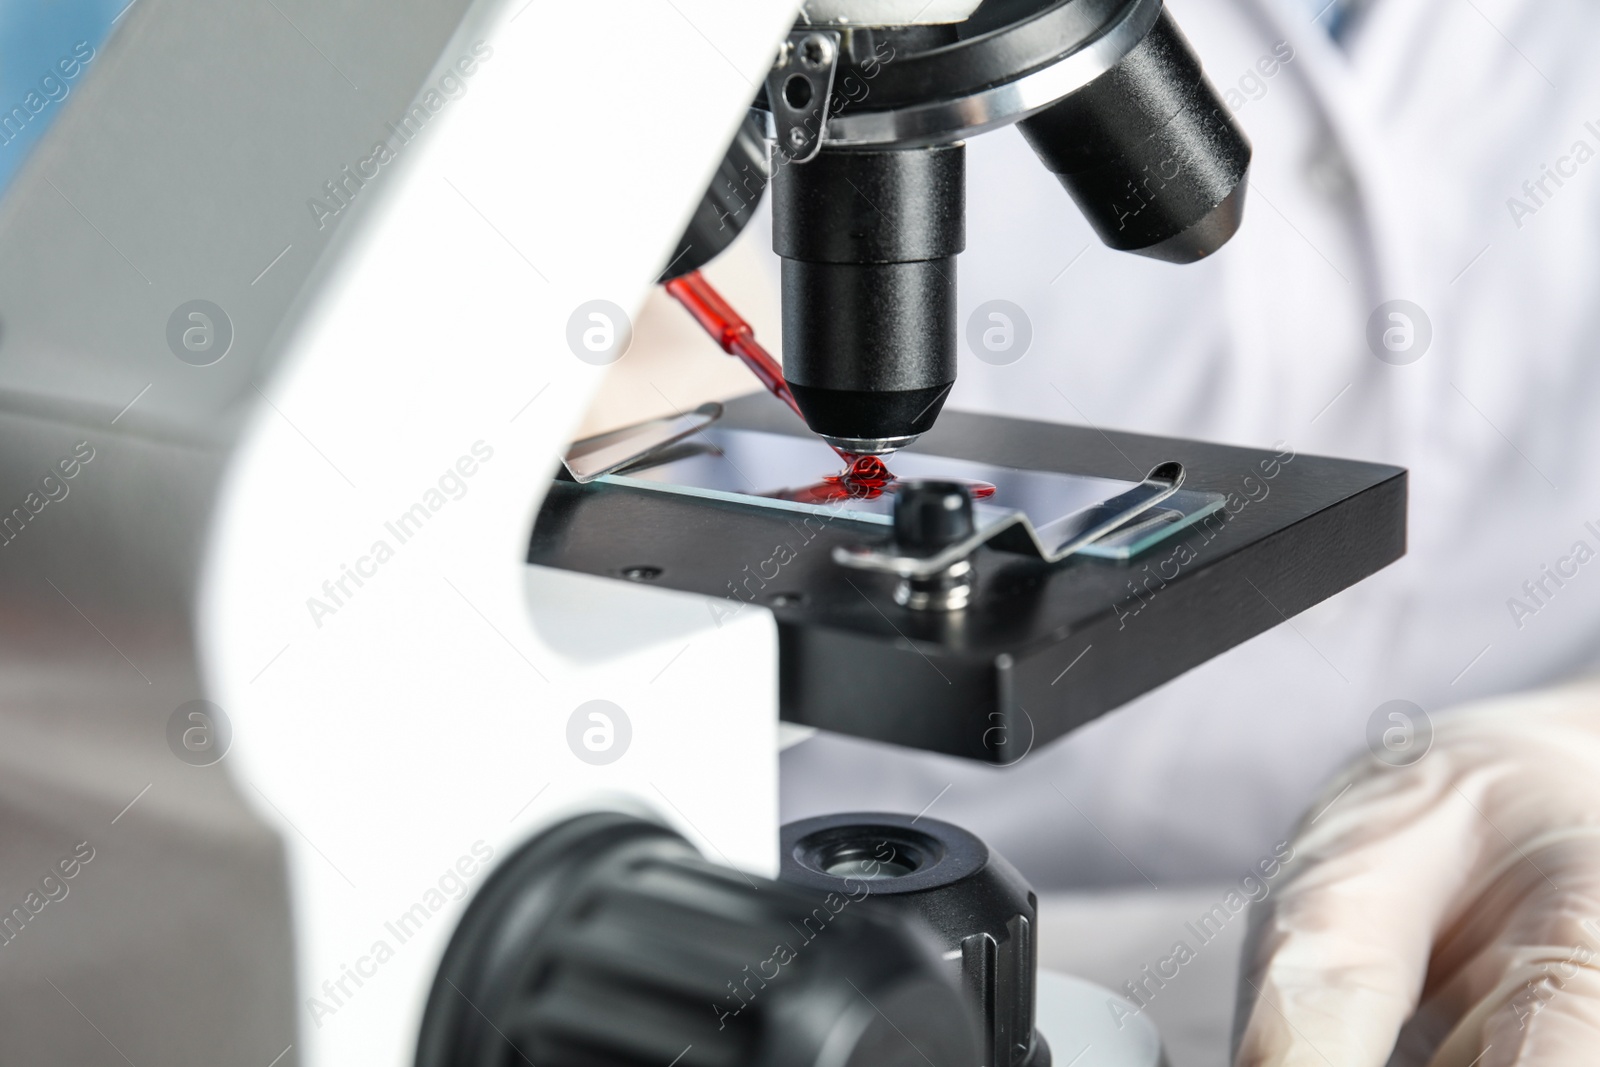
point(865, 478)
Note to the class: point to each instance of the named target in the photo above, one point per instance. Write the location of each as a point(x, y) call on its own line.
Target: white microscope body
point(321, 530)
point(313, 514)
point(417, 727)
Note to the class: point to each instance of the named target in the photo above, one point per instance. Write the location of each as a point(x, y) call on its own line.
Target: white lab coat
point(1384, 172)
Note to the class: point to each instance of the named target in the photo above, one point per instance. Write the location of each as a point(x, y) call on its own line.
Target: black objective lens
point(1149, 153)
point(869, 240)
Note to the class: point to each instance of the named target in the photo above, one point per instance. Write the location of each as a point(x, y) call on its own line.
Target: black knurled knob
point(930, 515)
point(981, 911)
point(609, 942)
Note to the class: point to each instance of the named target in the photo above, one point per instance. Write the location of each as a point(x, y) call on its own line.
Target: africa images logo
point(341, 190)
point(53, 88)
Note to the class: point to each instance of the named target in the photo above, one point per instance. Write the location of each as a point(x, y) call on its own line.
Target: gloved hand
point(1464, 888)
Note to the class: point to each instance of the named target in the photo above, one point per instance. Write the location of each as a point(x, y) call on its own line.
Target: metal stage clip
point(594, 457)
point(1015, 532)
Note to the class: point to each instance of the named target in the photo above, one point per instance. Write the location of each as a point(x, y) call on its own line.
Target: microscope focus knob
point(609, 941)
point(981, 911)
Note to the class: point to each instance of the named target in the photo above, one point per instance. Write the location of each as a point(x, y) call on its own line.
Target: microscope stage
point(801, 475)
point(1042, 648)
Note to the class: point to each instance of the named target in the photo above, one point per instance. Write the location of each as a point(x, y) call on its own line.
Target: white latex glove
point(1464, 888)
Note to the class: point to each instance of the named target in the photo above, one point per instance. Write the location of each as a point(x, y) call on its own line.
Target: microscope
point(867, 110)
point(402, 730)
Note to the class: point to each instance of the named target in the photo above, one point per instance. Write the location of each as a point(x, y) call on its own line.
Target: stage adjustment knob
point(930, 516)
